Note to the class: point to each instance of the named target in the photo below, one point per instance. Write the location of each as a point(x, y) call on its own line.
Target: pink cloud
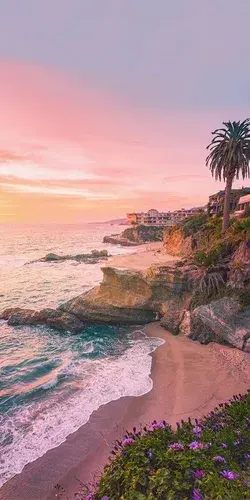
point(60, 138)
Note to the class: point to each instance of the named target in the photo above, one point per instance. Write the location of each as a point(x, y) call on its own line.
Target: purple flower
point(208, 445)
point(127, 442)
point(195, 445)
point(218, 458)
point(156, 425)
point(197, 495)
point(247, 456)
point(223, 445)
point(197, 431)
point(105, 498)
point(150, 454)
point(176, 447)
point(228, 474)
point(198, 474)
point(236, 443)
point(90, 496)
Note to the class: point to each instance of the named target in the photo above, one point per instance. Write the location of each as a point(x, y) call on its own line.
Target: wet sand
point(189, 379)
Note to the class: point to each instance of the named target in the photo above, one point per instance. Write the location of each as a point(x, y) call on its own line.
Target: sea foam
point(41, 426)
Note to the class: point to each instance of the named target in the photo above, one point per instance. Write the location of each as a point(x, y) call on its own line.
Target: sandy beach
point(145, 256)
point(189, 379)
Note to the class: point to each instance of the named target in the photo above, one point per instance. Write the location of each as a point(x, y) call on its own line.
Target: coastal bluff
point(125, 296)
point(136, 235)
point(194, 283)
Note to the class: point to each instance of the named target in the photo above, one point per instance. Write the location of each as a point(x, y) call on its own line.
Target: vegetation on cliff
point(219, 272)
point(220, 261)
point(204, 459)
point(137, 235)
point(144, 233)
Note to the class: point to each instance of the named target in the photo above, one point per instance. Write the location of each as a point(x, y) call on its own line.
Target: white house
point(244, 203)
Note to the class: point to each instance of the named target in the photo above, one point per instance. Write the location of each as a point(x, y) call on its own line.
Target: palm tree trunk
point(226, 209)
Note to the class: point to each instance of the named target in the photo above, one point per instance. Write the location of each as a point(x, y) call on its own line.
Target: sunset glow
point(70, 154)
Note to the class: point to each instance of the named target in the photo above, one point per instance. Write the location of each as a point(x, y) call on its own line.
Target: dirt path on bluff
point(189, 379)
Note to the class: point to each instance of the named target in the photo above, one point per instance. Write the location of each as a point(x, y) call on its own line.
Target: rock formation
point(136, 235)
point(88, 258)
point(53, 318)
point(129, 296)
point(123, 297)
point(136, 297)
point(221, 321)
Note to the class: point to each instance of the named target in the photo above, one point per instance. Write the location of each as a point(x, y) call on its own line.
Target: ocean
point(50, 383)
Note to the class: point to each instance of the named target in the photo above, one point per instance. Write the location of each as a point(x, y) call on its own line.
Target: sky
point(107, 106)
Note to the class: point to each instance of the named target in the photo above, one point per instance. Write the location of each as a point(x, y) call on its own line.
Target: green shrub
point(207, 459)
point(241, 225)
point(150, 233)
point(214, 223)
point(192, 224)
point(220, 252)
point(144, 233)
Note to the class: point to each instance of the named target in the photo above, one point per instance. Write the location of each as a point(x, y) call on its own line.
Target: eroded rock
point(53, 318)
point(220, 321)
point(174, 311)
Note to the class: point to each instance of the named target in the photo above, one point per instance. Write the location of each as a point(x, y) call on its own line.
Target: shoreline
point(185, 383)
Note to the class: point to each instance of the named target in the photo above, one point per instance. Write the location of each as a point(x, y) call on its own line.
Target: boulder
point(53, 318)
point(174, 311)
point(51, 257)
point(118, 240)
point(99, 253)
point(221, 321)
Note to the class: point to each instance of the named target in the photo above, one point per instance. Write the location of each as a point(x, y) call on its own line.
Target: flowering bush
point(207, 459)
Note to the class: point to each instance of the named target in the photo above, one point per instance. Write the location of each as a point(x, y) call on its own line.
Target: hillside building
point(216, 201)
point(155, 218)
point(243, 205)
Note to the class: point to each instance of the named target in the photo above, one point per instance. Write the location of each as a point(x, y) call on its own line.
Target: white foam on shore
point(41, 426)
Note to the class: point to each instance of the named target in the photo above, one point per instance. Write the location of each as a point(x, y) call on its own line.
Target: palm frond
point(229, 150)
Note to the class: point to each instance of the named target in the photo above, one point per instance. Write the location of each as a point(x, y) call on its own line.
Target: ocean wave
point(50, 384)
point(42, 425)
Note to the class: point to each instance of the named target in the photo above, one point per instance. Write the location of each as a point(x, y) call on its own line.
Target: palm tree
point(229, 158)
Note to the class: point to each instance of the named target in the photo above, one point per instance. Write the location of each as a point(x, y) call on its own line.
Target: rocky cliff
point(130, 296)
point(167, 292)
point(123, 297)
point(136, 235)
point(181, 242)
point(221, 321)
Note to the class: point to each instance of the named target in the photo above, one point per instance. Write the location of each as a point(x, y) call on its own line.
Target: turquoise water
point(51, 383)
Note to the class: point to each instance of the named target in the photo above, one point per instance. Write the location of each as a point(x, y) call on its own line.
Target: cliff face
point(176, 242)
point(221, 321)
point(129, 297)
point(123, 297)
